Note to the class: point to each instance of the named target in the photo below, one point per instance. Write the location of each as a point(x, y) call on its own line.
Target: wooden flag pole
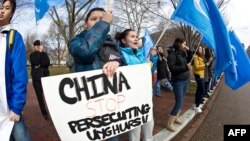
point(196, 50)
point(108, 5)
point(161, 36)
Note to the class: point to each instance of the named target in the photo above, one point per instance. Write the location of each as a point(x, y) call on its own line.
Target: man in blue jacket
point(14, 78)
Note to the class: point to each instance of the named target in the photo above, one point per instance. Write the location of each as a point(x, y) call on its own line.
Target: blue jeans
point(115, 138)
point(180, 88)
point(20, 131)
point(157, 88)
point(200, 90)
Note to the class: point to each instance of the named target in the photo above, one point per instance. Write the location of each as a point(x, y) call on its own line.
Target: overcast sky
point(236, 15)
point(239, 19)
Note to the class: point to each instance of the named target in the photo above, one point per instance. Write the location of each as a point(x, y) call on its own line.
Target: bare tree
point(29, 39)
point(193, 36)
point(57, 44)
point(72, 17)
point(20, 6)
point(135, 14)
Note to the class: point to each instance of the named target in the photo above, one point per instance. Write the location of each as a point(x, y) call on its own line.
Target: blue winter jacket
point(132, 56)
point(16, 76)
point(86, 45)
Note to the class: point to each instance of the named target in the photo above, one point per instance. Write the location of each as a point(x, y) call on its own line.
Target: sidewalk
point(42, 130)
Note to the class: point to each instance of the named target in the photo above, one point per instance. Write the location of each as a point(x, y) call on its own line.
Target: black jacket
point(177, 63)
point(109, 52)
point(162, 70)
point(42, 59)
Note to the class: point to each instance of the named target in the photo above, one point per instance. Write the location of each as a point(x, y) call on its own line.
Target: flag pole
point(161, 36)
point(108, 5)
point(196, 49)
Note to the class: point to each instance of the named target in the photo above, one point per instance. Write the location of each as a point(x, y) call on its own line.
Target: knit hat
point(37, 43)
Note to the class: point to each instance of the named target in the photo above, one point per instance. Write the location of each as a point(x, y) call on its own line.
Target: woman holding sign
point(131, 55)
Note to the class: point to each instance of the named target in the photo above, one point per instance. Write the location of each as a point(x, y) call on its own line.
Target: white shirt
point(5, 124)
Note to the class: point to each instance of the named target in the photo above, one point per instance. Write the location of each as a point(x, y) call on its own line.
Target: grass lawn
point(54, 70)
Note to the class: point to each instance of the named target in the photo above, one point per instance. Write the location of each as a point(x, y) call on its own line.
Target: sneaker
point(197, 109)
point(207, 96)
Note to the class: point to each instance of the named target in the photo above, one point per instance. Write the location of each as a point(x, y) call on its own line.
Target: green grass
point(55, 70)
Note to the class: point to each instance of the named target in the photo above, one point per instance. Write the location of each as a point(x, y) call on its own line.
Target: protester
point(162, 72)
point(93, 48)
point(179, 68)
point(131, 55)
point(14, 78)
point(199, 69)
point(39, 68)
point(209, 71)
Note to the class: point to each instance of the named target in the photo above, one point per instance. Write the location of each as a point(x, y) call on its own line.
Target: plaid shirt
point(85, 46)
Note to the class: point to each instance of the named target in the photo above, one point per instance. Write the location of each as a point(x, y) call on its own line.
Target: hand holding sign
point(110, 67)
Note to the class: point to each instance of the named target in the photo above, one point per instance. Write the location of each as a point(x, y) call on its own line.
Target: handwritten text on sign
point(91, 106)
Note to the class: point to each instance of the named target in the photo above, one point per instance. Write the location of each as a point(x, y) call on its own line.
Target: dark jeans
point(180, 88)
point(39, 94)
point(115, 138)
point(200, 90)
point(20, 131)
point(207, 85)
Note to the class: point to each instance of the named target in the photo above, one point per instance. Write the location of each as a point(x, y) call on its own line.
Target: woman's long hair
point(122, 35)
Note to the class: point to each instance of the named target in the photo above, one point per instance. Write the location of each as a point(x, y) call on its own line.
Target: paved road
point(230, 107)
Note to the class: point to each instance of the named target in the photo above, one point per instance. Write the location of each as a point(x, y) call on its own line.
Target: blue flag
point(204, 16)
point(241, 65)
point(42, 6)
point(147, 43)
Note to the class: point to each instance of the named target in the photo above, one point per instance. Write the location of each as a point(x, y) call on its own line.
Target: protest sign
point(91, 106)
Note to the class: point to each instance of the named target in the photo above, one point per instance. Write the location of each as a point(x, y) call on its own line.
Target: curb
point(165, 135)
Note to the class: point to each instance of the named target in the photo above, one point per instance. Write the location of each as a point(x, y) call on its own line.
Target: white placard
point(90, 106)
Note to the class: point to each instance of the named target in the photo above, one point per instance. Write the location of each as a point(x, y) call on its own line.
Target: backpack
point(10, 36)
